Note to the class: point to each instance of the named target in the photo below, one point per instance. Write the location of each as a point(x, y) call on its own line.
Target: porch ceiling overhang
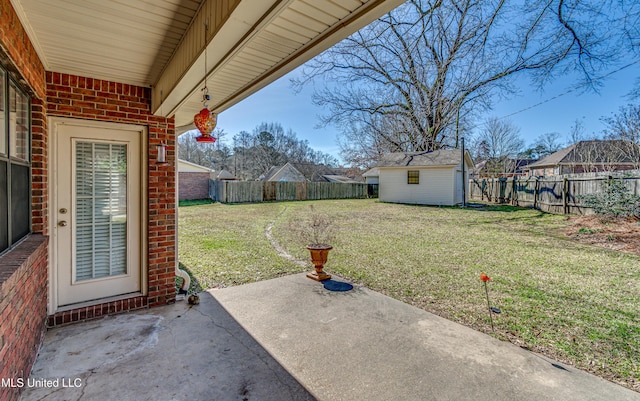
point(161, 43)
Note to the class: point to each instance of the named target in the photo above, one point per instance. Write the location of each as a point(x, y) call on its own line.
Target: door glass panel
point(101, 210)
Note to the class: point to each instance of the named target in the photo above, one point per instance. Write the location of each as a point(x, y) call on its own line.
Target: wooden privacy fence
point(559, 195)
point(258, 191)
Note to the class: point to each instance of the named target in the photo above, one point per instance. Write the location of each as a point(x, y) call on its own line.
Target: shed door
point(458, 186)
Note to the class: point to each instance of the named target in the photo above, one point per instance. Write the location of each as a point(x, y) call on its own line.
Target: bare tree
point(410, 81)
point(625, 124)
point(269, 145)
point(363, 144)
point(215, 156)
point(273, 146)
point(548, 143)
point(240, 145)
point(500, 138)
point(543, 146)
point(603, 155)
point(498, 143)
point(577, 132)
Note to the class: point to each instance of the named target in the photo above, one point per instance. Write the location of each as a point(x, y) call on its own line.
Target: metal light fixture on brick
point(161, 157)
point(205, 120)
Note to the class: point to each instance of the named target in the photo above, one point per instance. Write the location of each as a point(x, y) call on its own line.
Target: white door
point(97, 224)
point(458, 185)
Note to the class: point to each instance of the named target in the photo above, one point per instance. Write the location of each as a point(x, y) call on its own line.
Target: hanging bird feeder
point(205, 120)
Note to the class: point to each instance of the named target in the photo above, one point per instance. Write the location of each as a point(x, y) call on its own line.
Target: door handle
point(62, 223)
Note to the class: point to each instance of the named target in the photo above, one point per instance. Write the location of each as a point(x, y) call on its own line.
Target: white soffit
point(263, 50)
point(127, 41)
point(160, 43)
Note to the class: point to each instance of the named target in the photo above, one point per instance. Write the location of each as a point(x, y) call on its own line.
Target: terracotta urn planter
point(319, 254)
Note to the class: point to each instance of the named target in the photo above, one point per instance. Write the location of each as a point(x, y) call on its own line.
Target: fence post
point(565, 195)
point(514, 193)
point(535, 193)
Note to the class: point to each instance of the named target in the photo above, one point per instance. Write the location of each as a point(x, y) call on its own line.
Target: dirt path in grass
point(279, 249)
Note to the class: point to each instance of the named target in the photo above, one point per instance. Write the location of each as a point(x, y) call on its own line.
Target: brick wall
point(24, 269)
point(93, 99)
point(193, 185)
point(96, 311)
point(24, 274)
point(16, 45)
point(23, 310)
point(39, 167)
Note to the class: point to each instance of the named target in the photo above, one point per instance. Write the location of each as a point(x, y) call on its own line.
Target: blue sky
point(278, 103)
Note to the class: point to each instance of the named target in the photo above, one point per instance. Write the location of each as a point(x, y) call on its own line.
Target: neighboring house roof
point(479, 166)
point(269, 173)
point(186, 167)
point(225, 175)
point(353, 173)
point(287, 173)
point(339, 178)
point(322, 173)
point(522, 163)
point(592, 152)
point(553, 159)
point(374, 172)
point(314, 172)
point(424, 159)
point(306, 172)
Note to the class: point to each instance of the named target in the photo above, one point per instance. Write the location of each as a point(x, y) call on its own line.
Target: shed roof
point(225, 175)
point(374, 172)
point(186, 166)
point(434, 158)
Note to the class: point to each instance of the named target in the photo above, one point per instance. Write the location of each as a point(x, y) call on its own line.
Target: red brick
point(24, 273)
point(116, 102)
point(82, 91)
point(24, 307)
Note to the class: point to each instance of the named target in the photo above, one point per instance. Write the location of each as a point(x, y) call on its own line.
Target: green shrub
point(616, 200)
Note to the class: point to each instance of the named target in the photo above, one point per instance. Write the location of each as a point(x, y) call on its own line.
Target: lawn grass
point(195, 202)
point(573, 302)
point(224, 245)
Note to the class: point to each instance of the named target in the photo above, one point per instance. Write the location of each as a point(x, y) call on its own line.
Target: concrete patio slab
point(361, 345)
point(174, 352)
point(290, 339)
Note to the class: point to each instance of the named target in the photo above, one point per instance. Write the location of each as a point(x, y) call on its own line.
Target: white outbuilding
point(428, 178)
point(372, 176)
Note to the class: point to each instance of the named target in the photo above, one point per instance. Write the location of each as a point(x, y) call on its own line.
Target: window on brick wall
point(15, 162)
point(3, 107)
